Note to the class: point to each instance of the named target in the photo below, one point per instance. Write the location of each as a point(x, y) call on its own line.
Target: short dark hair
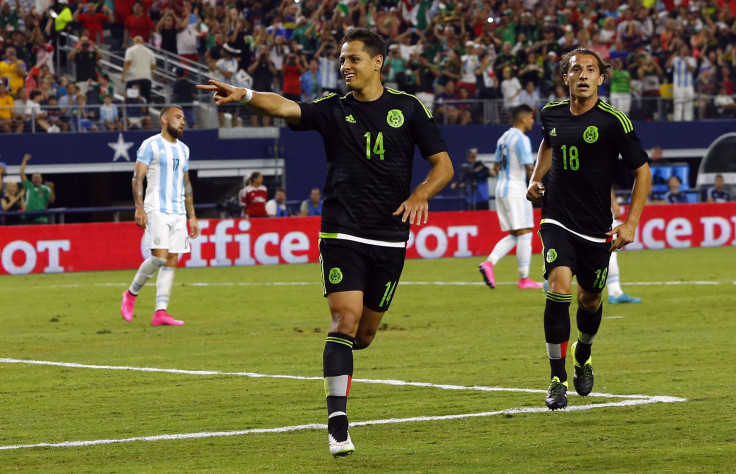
point(372, 41)
point(567, 57)
point(166, 108)
point(516, 112)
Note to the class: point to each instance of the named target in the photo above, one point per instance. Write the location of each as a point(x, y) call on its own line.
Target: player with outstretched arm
point(369, 137)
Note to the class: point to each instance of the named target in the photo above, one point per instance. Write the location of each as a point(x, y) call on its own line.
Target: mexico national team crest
point(395, 118)
point(591, 134)
point(335, 276)
point(551, 255)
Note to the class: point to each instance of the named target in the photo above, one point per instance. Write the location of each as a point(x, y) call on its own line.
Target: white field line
point(631, 400)
point(316, 283)
point(317, 426)
point(401, 383)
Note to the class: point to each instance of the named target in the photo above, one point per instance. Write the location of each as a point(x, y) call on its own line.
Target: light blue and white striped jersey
point(513, 151)
point(167, 162)
point(681, 74)
point(329, 69)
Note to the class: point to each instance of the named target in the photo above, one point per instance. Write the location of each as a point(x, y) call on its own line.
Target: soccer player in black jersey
point(369, 137)
point(583, 138)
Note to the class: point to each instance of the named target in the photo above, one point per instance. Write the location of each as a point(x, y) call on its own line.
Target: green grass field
point(272, 320)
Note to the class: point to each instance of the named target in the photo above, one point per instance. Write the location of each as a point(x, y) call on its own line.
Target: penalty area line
point(318, 426)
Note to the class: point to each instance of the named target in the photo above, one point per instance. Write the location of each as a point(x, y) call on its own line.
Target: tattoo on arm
point(138, 189)
point(189, 199)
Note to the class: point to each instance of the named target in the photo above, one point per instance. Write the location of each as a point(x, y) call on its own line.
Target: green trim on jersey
point(557, 103)
point(625, 122)
point(393, 91)
point(328, 235)
point(331, 94)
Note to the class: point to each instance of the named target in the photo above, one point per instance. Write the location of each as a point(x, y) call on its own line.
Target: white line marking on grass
point(414, 283)
point(402, 383)
point(317, 426)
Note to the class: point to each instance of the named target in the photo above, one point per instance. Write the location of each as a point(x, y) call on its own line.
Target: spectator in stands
point(530, 96)
point(94, 17)
point(395, 66)
point(253, 196)
point(59, 20)
point(167, 29)
point(83, 116)
point(313, 205)
point(450, 69)
point(470, 63)
point(183, 94)
point(138, 24)
point(510, 89)
point(724, 103)
point(100, 89)
point(8, 122)
point(136, 109)
point(277, 207)
point(445, 106)
point(13, 200)
point(328, 67)
point(725, 79)
point(66, 103)
point(473, 182)
point(86, 57)
point(186, 36)
point(109, 115)
point(263, 72)
point(34, 118)
point(12, 68)
point(9, 18)
point(674, 195)
point(53, 115)
point(292, 70)
point(620, 87)
point(310, 82)
point(38, 195)
point(718, 193)
point(705, 86)
point(650, 75)
point(138, 67)
point(683, 92)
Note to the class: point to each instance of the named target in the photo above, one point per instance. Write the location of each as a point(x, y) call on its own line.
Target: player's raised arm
point(266, 103)
point(544, 163)
point(416, 208)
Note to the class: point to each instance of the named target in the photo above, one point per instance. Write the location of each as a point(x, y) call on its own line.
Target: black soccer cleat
point(556, 394)
point(582, 378)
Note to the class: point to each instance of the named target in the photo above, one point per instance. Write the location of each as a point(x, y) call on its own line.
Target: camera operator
point(474, 181)
point(263, 72)
point(85, 56)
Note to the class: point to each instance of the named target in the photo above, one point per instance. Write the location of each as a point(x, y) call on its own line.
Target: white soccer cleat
point(341, 448)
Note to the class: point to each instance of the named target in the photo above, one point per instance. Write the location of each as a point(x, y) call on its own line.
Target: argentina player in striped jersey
point(369, 137)
point(163, 160)
point(583, 138)
point(513, 165)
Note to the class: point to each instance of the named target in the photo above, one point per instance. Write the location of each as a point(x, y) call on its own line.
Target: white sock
point(164, 282)
point(524, 254)
point(503, 247)
point(145, 272)
point(613, 281)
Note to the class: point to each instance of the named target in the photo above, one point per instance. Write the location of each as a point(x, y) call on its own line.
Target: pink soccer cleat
point(126, 308)
point(529, 284)
point(162, 318)
point(486, 269)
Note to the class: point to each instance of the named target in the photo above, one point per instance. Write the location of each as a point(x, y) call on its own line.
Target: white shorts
point(167, 231)
point(514, 213)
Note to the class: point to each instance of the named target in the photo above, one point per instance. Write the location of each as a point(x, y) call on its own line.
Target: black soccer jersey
point(585, 149)
point(370, 151)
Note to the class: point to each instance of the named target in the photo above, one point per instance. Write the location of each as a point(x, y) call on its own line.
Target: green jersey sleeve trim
point(625, 122)
point(557, 103)
point(331, 94)
point(393, 91)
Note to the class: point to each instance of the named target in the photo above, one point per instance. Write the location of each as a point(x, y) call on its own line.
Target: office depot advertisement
point(235, 242)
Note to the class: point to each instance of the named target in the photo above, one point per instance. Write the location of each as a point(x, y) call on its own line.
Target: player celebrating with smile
point(369, 137)
point(583, 138)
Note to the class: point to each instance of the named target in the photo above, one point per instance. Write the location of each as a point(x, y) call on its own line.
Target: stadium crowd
point(452, 55)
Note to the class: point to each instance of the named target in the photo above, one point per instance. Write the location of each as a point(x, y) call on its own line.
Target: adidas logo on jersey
point(350, 119)
point(553, 133)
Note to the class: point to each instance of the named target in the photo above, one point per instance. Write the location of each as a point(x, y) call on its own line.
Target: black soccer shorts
point(588, 260)
point(372, 269)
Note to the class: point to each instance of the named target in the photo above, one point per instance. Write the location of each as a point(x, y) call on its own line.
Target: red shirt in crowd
point(139, 26)
point(253, 200)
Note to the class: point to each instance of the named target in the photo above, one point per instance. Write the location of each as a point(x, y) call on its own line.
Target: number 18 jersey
point(585, 150)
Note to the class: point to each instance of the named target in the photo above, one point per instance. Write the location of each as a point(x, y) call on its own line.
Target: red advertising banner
point(234, 242)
